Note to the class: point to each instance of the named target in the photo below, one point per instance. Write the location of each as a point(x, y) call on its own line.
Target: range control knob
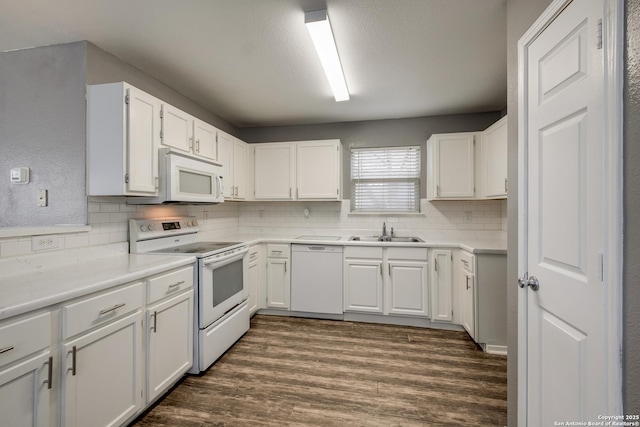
point(150, 227)
point(142, 227)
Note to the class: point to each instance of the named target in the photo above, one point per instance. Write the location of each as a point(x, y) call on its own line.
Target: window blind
point(385, 179)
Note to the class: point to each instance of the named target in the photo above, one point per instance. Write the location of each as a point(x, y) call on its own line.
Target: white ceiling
point(252, 62)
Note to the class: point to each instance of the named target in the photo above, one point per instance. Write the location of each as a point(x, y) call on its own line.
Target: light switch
point(20, 175)
point(43, 198)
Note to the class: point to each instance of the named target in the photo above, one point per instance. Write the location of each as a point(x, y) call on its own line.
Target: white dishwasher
point(316, 278)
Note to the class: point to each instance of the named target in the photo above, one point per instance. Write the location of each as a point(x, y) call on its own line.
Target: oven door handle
point(219, 262)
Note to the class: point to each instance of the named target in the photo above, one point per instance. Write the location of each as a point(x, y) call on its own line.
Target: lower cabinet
point(386, 280)
point(441, 285)
point(278, 276)
point(169, 342)
point(102, 374)
point(26, 373)
point(467, 293)
point(254, 279)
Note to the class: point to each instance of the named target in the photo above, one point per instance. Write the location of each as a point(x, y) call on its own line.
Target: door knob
point(532, 282)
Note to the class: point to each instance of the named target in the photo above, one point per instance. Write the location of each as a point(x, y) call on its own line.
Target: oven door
point(223, 285)
point(192, 180)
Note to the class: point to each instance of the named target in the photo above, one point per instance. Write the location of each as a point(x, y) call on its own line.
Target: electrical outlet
point(43, 198)
point(468, 216)
point(44, 243)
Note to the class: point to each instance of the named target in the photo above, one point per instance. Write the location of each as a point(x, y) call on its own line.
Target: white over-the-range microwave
point(185, 179)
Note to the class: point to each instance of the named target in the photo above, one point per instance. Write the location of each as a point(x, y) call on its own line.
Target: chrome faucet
point(384, 230)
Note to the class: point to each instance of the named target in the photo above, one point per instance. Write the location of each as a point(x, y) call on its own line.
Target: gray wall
point(42, 126)
point(520, 16)
point(631, 361)
point(103, 67)
point(378, 133)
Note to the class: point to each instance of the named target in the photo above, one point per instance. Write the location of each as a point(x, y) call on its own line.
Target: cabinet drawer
point(22, 337)
point(170, 283)
point(363, 252)
point(278, 251)
point(467, 260)
point(88, 313)
point(419, 254)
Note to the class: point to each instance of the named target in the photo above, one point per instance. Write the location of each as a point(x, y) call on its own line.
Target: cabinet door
point(407, 289)
point(468, 302)
point(454, 161)
point(318, 170)
point(204, 136)
point(102, 378)
point(24, 392)
point(278, 283)
point(177, 128)
point(169, 343)
point(254, 283)
point(143, 130)
point(274, 171)
point(494, 147)
point(363, 285)
point(225, 157)
point(240, 169)
point(441, 286)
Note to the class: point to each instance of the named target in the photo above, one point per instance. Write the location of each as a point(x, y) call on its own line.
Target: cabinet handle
point(467, 282)
point(438, 190)
point(175, 285)
point(389, 265)
point(4, 350)
point(197, 145)
point(73, 360)
point(50, 374)
point(285, 266)
point(297, 193)
point(156, 182)
point(190, 143)
point(155, 322)
point(381, 270)
point(289, 192)
point(506, 186)
point(109, 310)
point(465, 262)
point(435, 266)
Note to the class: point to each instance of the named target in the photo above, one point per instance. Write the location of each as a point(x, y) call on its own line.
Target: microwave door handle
point(218, 186)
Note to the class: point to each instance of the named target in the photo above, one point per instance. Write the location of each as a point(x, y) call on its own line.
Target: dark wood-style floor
point(301, 372)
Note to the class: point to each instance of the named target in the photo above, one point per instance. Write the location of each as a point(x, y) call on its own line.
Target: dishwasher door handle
point(317, 248)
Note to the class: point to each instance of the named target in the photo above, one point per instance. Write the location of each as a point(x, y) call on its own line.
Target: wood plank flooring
point(304, 372)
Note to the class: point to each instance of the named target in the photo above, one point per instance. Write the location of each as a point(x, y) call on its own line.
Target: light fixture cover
point(317, 22)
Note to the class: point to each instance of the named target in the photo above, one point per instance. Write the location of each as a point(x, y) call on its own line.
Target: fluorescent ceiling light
point(318, 25)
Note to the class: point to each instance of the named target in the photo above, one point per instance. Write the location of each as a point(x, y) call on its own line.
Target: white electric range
point(222, 313)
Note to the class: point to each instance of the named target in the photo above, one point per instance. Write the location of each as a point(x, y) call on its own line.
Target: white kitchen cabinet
point(26, 371)
point(441, 285)
point(169, 342)
point(386, 280)
point(363, 284)
point(494, 160)
point(254, 279)
point(274, 171)
point(318, 170)
point(298, 170)
point(278, 276)
point(451, 166)
point(177, 128)
point(123, 131)
point(205, 140)
point(102, 357)
point(102, 375)
point(467, 293)
point(232, 154)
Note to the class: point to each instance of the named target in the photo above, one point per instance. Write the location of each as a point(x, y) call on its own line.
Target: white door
point(454, 166)
point(407, 288)
point(494, 154)
point(363, 285)
point(563, 233)
point(225, 157)
point(142, 148)
point(274, 171)
point(318, 170)
point(177, 128)
point(441, 286)
point(205, 139)
point(278, 283)
point(240, 169)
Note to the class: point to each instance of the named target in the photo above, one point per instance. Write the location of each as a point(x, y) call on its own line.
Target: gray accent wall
point(631, 270)
point(42, 127)
point(376, 133)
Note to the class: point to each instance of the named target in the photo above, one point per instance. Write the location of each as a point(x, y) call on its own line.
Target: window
point(385, 179)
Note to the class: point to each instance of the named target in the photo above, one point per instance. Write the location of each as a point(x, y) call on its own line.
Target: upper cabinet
point(494, 160)
point(123, 129)
point(300, 170)
point(468, 165)
point(186, 133)
point(451, 166)
point(233, 155)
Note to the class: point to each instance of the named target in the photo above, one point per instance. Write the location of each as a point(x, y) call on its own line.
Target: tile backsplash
point(109, 216)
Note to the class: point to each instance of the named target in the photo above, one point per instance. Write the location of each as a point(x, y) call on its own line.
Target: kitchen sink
point(394, 239)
